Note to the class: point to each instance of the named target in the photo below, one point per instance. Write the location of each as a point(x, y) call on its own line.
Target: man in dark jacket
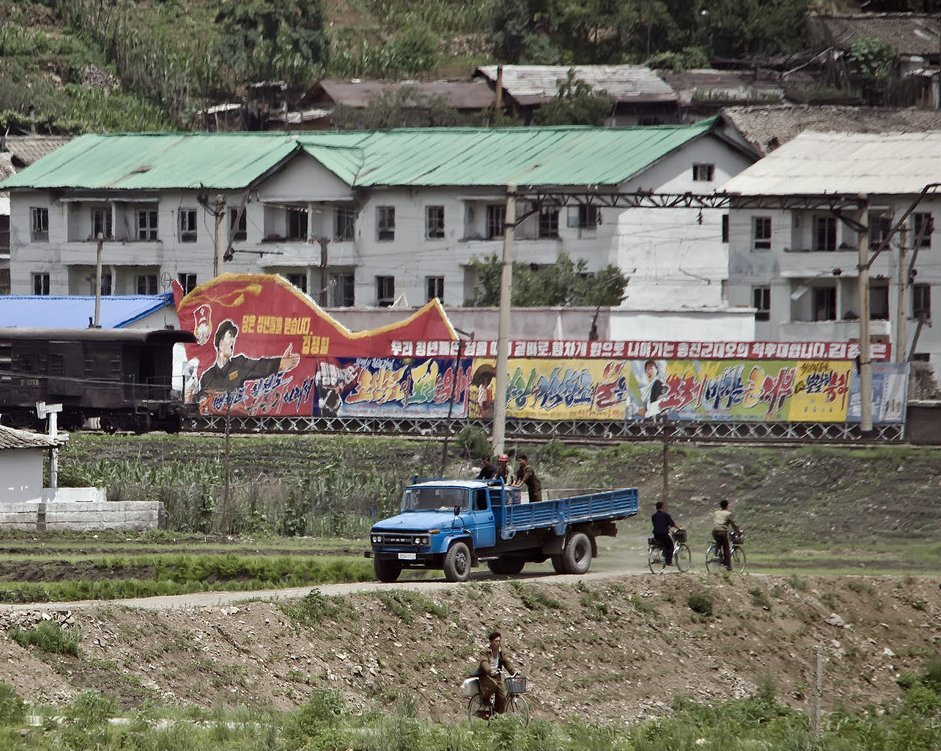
point(526, 475)
point(487, 470)
point(662, 523)
point(494, 665)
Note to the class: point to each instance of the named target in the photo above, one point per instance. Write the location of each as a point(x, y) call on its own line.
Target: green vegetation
point(534, 598)
point(47, 636)
point(700, 602)
point(407, 605)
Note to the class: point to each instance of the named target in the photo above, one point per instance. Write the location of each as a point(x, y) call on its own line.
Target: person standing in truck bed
point(526, 475)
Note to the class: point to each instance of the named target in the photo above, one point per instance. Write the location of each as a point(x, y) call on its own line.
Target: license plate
point(407, 556)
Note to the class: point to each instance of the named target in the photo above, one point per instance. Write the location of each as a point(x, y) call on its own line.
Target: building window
point(704, 172)
point(297, 224)
point(385, 223)
point(725, 228)
point(101, 225)
point(187, 282)
point(880, 228)
point(146, 224)
point(39, 225)
point(344, 225)
point(146, 284)
point(761, 300)
point(434, 287)
point(105, 284)
point(40, 284)
point(342, 285)
point(496, 220)
point(188, 232)
point(584, 216)
point(921, 301)
point(238, 225)
point(385, 291)
point(879, 302)
point(549, 222)
point(761, 232)
point(824, 303)
point(434, 222)
point(824, 233)
point(924, 227)
point(298, 280)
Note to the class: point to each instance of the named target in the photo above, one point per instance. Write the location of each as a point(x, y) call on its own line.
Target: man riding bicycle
point(490, 672)
point(722, 521)
point(662, 524)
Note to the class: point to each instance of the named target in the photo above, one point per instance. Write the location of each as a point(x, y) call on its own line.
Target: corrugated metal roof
point(908, 33)
point(358, 93)
point(29, 149)
point(74, 312)
point(407, 157)
point(11, 438)
point(845, 163)
point(706, 86)
point(537, 84)
point(767, 128)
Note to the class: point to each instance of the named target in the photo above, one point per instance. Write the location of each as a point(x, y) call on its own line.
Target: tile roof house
point(21, 464)
point(640, 96)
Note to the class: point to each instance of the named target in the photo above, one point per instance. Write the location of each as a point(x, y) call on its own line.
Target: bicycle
point(682, 556)
point(715, 561)
point(516, 705)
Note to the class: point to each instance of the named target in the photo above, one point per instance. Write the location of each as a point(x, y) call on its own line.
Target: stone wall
point(128, 516)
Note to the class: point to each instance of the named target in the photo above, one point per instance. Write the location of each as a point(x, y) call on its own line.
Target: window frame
point(921, 301)
point(434, 222)
point(704, 172)
point(299, 280)
point(495, 221)
point(548, 223)
point(44, 279)
point(187, 226)
point(385, 224)
point(148, 288)
point(146, 225)
point(879, 298)
point(761, 302)
point(107, 232)
point(38, 224)
point(297, 224)
point(824, 292)
point(434, 288)
point(917, 220)
point(761, 240)
point(385, 291)
point(344, 224)
point(238, 225)
point(187, 281)
point(829, 234)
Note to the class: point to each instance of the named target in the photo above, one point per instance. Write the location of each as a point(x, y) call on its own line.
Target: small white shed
point(21, 464)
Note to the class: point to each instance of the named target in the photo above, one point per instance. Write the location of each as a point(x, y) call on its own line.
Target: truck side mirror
point(457, 510)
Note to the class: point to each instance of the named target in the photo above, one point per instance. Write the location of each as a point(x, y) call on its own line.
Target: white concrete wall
point(726, 325)
point(129, 516)
point(20, 475)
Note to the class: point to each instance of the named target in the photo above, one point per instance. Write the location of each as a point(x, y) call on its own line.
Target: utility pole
point(865, 350)
point(503, 332)
point(97, 322)
point(901, 318)
point(218, 211)
point(324, 286)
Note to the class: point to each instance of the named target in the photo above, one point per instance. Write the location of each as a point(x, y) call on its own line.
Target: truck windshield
point(434, 499)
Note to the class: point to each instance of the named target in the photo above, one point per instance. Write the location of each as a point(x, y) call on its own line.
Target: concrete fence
point(39, 516)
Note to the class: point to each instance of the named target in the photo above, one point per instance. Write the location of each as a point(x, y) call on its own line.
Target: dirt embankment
point(606, 648)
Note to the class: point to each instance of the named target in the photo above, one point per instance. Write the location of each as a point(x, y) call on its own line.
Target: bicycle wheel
point(655, 560)
point(518, 707)
point(738, 560)
point(682, 557)
point(714, 559)
point(477, 708)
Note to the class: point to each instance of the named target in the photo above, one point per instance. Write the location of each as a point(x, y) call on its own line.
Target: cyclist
point(662, 524)
point(490, 672)
point(721, 523)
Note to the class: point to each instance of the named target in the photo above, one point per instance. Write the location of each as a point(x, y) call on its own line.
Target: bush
point(12, 707)
point(700, 602)
point(473, 442)
point(48, 637)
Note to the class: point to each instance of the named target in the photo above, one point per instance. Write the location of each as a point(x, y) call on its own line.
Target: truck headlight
point(377, 539)
point(421, 540)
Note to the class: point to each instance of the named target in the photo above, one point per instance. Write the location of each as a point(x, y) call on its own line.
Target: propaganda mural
point(265, 349)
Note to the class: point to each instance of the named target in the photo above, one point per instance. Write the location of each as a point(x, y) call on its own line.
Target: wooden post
point(665, 494)
point(901, 320)
point(503, 344)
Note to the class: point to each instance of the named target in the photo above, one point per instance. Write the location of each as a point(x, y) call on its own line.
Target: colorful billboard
point(266, 349)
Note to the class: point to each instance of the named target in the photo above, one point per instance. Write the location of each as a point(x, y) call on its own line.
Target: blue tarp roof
point(74, 312)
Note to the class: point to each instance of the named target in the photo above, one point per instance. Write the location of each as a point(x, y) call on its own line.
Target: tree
point(565, 283)
point(272, 39)
point(575, 104)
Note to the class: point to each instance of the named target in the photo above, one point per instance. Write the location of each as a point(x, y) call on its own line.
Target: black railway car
point(122, 377)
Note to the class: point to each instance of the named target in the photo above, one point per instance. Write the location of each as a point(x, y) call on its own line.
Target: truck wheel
point(508, 565)
point(386, 570)
point(557, 564)
point(576, 558)
point(457, 563)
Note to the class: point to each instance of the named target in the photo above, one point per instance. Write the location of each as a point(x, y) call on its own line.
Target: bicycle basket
point(679, 535)
point(516, 685)
point(653, 542)
point(737, 537)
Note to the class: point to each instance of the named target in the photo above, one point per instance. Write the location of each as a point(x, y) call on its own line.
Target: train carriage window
point(56, 364)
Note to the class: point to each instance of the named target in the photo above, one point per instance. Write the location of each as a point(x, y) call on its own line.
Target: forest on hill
point(71, 66)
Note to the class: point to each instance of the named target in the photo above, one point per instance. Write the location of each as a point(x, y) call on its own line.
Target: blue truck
point(454, 525)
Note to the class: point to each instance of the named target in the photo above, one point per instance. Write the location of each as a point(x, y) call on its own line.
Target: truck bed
point(606, 505)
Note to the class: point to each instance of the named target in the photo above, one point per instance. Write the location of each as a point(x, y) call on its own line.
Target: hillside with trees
point(127, 65)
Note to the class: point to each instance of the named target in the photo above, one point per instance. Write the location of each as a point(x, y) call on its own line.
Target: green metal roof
point(556, 156)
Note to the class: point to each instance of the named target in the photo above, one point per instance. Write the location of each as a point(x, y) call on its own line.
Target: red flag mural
point(265, 348)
